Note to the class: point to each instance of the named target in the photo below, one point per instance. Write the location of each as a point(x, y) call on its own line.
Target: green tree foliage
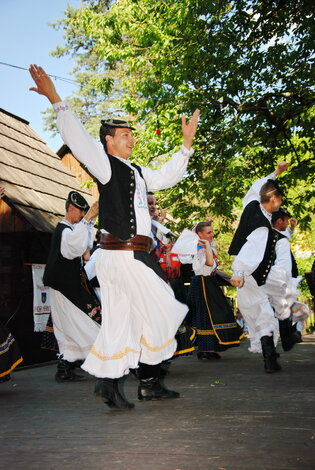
point(247, 64)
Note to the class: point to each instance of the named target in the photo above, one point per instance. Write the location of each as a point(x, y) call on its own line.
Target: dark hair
point(199, 227)
point(269, 189)
point(104, 131)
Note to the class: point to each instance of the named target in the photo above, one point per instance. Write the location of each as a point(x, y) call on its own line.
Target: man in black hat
point(142, 314)
point(75, 309)
point(253, 246)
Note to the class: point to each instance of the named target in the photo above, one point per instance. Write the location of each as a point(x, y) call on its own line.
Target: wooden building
point(77, 169)
point(36, 186)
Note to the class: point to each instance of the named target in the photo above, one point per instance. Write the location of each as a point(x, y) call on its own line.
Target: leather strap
point(137, 243)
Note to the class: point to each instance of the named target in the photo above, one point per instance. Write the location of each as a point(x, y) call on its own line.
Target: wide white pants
point(253, 303)
point(140, 316)
point(74, 330)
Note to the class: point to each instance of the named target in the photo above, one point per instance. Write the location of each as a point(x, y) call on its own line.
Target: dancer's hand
point(44, 84)
point(237, 281)
point(281, 167)
point(92, 212)
point(189, 129)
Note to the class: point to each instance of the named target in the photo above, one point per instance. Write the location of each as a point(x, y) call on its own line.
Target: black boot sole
point(112, 405)
point(72, 379)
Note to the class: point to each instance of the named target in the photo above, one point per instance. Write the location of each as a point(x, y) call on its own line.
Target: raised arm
point(174, 169)
point(83, 146)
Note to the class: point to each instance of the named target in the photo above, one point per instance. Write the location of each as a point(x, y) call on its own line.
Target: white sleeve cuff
point(185, 152)
point(61, 106)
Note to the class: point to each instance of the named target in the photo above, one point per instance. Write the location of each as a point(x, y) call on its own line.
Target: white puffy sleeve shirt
point(74, 242)
point(92, 154)
point(283, 256)
point(199, 264)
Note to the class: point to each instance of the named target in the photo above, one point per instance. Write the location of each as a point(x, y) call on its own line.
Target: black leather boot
point(152, 389)
point(288, 334)
point(111, 392)
point(270, 355)
point(65, 372)
point(151, 386)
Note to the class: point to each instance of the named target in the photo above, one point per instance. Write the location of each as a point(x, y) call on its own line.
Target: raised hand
point(92, 212)
point(293, 223)
point(44, 84)
point(282, 166)
point(189, 129)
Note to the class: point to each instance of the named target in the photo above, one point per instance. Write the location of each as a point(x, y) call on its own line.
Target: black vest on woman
point(251, 219)
point(116, 208)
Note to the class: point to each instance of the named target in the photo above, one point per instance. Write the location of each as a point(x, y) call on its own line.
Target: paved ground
point(231, 416)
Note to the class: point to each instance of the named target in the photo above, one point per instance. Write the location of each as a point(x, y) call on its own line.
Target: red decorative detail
point(158, 131)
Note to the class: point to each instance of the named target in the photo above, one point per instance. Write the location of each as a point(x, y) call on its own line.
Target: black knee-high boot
point(111, 392)
point(270, 354)
point(150, 386)
point(288, 334)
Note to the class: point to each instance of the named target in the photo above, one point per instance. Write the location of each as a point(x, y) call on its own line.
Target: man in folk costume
point(142, 314)
point(253, 246)
point(75, 309)
point(282, 284)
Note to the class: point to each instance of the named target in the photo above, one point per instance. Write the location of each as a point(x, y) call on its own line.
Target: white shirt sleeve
point(91, 234)
point(74, 242)
point(252, 252)
point(287, 233)
point(253, 192)
point(170, 173)
point(283, 256)
point(185, 259)
point(199, 264)
point(90, 266)
point(84, 147)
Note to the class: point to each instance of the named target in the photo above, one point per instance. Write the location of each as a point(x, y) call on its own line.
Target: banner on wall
point(41, 302)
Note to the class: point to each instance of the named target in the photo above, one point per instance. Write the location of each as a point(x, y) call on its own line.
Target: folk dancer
point(75, 309)
point(282, 284)
point(253, 246)
point(210, 312)
point(142, 314)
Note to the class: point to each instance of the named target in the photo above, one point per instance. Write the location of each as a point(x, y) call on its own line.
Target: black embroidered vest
point(251, 219)
point(116, 201)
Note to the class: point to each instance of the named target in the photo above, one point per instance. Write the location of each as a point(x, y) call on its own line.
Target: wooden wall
point(81, 175)
point(10, 220)
point(19, 249)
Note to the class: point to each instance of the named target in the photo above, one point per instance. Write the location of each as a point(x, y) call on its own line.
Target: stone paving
point(231, 416)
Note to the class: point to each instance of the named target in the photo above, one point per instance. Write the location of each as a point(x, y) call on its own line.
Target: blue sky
point(26, 39)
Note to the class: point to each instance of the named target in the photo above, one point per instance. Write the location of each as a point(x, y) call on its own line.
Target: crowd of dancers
point(123, 305)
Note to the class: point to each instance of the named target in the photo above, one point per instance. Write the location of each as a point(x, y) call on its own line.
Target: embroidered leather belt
point(137, 243)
